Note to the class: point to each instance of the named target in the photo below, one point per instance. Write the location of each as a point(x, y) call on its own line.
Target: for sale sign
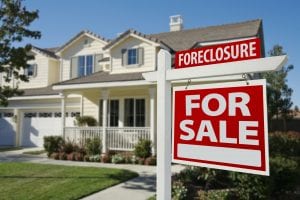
point(220, 53)
point(222, 126)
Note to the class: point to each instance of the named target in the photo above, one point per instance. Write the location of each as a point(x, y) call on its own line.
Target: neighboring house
point(90, 75)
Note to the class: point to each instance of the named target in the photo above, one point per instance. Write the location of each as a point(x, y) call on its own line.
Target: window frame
point(135, 114)
point(132, 56)
point(84, 68)
point(31, 68)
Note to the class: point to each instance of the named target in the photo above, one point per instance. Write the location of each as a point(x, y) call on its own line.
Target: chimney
point(176, 23)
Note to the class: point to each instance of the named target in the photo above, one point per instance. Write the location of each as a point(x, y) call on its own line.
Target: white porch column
point(152, 94)
point(104, 95)
point(63, 113)
point(17, 118)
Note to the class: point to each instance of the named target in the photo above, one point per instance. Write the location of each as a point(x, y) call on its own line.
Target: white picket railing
point(80, 134)
point(123, 139)
point(126, 138)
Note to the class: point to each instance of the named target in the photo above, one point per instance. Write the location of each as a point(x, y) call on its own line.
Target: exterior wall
point(79, 48)
point(149, 62)
point(53, 71)
point(91, 101)
point(41, 78)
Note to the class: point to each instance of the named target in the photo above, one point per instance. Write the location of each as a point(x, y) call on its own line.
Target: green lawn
point(38, 181)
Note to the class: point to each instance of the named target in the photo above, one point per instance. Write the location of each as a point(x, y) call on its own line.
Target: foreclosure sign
point(222, 126)
point(220, 53)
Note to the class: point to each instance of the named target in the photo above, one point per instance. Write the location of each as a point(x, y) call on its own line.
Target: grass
point(39, 152)
point(2, 149)
point(38, 181)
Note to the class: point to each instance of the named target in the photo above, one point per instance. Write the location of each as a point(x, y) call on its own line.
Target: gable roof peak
point(82, 32)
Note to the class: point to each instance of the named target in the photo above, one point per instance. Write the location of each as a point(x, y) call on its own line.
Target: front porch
point(115, 138)
point(124, 115)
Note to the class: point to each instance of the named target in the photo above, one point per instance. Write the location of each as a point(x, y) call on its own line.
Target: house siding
point(41, 78)
point(77, 49)
point(53, 71)
point(149, 62)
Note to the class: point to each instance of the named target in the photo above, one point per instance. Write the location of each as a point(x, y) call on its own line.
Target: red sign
point(220, 53)
point(222, 126)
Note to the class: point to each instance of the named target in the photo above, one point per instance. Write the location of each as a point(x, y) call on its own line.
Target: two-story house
point(90, 75)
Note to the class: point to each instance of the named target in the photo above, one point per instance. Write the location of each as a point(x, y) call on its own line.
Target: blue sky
point(62, 19)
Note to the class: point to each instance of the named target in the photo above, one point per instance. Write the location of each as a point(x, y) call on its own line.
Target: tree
point(278, 92)
point(15, 20)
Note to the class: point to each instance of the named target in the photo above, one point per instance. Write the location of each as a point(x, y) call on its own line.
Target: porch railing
point(79, 135)
point(124, 138)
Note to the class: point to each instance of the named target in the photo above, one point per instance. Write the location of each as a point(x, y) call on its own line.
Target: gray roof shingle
point(186, 39)
point(50, 52)
point(100, 77)
point(40, 91)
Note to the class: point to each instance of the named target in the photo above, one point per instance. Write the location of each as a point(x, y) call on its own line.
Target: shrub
point(282, 181)
point(67, 147)
point(285, 144)
point(143, 149)
point(117, 159)
point(79, 157)
point(105, 158)
point(93, 146)
point(86, 158)
point(63, 156)
point(52, 144)
point(95, 158)
point(150, 161)
point(55, 156)
point(134, 159)
point(71, 156)
point(222, 194)
point(85, 121)
point(179, 191)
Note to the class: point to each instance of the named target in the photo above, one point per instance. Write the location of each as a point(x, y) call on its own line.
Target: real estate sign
point(220, 53)
point(222, 126)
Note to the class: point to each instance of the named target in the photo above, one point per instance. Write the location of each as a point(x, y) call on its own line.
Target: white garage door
point(7, 133)
point(36, 125)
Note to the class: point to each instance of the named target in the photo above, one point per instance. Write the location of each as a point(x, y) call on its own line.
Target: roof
point(47, 52)
point(78, 35)
point(100, 77)
point(186, 39)
point(132, 31)
point(40, 91)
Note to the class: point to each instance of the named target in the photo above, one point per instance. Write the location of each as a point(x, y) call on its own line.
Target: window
point(112, 113)
point(132, 56)
point(134, 112)
point(31, 70)
point(84, 65)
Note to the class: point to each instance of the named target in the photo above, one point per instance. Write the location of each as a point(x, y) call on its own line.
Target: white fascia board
point(223, 69)
point(35, 97)
point(101, 85)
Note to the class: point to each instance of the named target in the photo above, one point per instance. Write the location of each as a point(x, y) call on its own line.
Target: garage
point(36, 125)
point(7, 132)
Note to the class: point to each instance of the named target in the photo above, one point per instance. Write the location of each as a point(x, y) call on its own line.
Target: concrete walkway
point(139, 188)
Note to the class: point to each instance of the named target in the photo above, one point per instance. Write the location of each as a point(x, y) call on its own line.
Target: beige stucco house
point(94, 76)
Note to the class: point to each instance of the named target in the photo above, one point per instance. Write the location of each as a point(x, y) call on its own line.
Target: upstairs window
point(132, 57)
point(85, 65)
point(82, 66)
point(31, 71)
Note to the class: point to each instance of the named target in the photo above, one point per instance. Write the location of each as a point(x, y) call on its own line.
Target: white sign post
point(164, 76)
